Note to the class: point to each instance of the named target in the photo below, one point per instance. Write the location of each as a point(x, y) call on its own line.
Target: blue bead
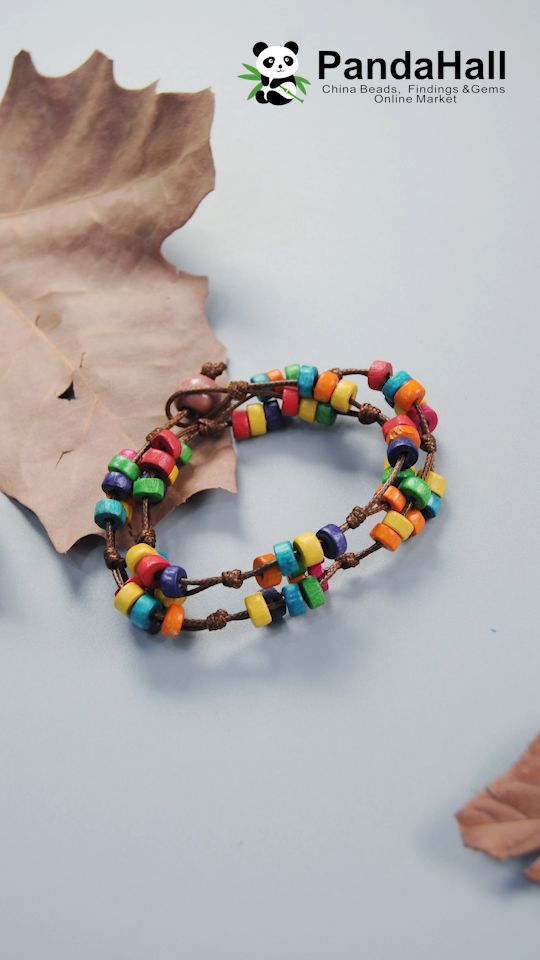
point(294, 599)
point(332, 540)
point(111, 510)
point(274, 597)
point(432, 507)
point(168, 580)
point(272, 413)
point(393, 384)
point(141, 613)
point(307, 377)
point(117, 484)
point(260, 378)
point(402, 447)
point(286, 559)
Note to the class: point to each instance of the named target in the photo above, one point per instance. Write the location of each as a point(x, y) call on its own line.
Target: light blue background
point(291, 796)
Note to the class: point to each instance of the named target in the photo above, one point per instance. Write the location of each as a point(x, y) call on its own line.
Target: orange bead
point(276, 375)
point(408, 393)
point(417, 521)
point(402, 430)
point(325, 386)
point(173, 620)
point(394, 497)
point(270, 577)
point(384, 535)
point(301, 576)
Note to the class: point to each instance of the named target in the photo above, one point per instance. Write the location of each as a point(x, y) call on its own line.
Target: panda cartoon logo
point(277, 67)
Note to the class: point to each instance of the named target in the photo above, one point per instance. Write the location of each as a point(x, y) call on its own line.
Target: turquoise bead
point(294, 599)
point(286, 559)
point(261, 378)
point(325, 414)
point(291, 371)
point(392, 385)
point(307, 378)
point(141, 613)
point(432, 507)
point(112, 511)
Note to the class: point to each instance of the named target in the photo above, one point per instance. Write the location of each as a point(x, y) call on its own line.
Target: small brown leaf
point(504, 819)
point(96, 327)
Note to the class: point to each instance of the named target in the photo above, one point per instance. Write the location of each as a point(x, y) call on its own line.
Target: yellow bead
point(128, 507)
point(167, 601)
point(258, 610)
point(257, 419)
point(173, 475)
point(399, 523)
point(436, 482)
point(308, 548)
point(307, 409)
point(126, 597)
point(136, 553)
point(341, 398)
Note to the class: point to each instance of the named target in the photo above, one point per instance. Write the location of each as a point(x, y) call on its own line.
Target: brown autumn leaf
point(504, 819)
point(93, 177)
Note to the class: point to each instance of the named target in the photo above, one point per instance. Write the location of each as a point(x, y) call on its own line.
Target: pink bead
point(378, 374)
point(130, 454)
point(317, 571)
point(198, 402)
point(430, 415)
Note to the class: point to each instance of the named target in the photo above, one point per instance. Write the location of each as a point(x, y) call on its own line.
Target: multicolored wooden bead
point(308, 549)
point(169, 581)
point(286, 559)
point(272, 412)
point(393, 497)
point(333, 541)
point(317, 570)
point(257, 607)
point(378, 374)
point(393, 384)
point(290, 401)
point(325, 414)
point(151, 487)
point(276, 603)
point(141, 613)
point(400, 426)
point(341, 398)
point(173, 620)
point(257, 419)
point(417, 490)
point(436, 482)
point(167, 441)
point(198, 402)
point(116, 484)
point(307, 409)
point(418, 521)
point(271, 576)
point(149, 568)
point(312, 592)
point(325, 386)
point(307, 376)
point(410, 392)
point(136, 553)
point(404, 448)
point(384, 535)
point(124, 465)
point(126, 596)
point(274, 375)
point(109, 511)
point(296, 604)
point(240, 425)
point(399, 523)
point(159, 461)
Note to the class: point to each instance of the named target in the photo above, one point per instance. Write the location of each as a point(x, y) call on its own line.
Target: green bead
point(126, 466)
point(292, 371)
point(312, 592)
point(185, 456)
point(151, 487)
point(402, 475)
point(417, 490)
point(325, 414)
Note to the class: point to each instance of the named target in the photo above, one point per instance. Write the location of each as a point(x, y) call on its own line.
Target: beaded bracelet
point(151, 591)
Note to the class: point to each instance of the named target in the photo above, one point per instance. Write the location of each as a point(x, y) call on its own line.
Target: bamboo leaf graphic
point(255, 90)
point(302, 80)
point(300, 85)
point(253, 70)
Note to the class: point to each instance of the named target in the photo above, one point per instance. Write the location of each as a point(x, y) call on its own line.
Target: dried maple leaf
point(93, 177)
point(504, 819)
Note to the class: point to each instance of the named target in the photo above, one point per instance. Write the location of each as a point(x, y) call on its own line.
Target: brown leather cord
point(190, 428)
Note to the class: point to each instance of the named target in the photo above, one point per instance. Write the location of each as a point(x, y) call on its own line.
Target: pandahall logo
point(275, 76)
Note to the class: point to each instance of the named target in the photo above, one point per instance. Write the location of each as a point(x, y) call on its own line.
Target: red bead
point(167, 441)
point(290, 403)
point(402, 420)
point(148, 567)
point(240, 425)
point(130, 454)
point(199, 402)
point(430, 415)
point(378, 374)
point(158, 460)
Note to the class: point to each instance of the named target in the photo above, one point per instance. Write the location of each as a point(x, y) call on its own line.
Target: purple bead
point(402, 447)
point(169, 581)
point(272, 413)
point(117, 485)
point(276, 603)
point(332, 540)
